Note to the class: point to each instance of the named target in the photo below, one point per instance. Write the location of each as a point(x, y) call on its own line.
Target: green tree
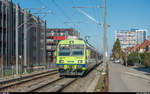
point(146, 59)
point(133, 58)
point(116, 51)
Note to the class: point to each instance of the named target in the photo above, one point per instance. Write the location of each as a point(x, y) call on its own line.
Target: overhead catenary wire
point(61, 10)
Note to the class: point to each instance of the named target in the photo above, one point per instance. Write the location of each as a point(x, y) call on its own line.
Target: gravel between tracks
point(22, 87)
point(55, 86)
point(80, 85)
point(84, 83)
point(34, 83)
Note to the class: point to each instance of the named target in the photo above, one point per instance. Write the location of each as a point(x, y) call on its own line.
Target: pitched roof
point(136, 47)
point(145, 43)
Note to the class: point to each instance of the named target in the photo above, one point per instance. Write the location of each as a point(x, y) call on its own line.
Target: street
point(122, 79)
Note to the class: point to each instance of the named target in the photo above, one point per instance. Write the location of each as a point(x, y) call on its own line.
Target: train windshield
point(71, 50)
point(64, 50)
point(77, 50)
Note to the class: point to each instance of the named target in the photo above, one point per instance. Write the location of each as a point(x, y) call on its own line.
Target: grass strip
point(100, 83)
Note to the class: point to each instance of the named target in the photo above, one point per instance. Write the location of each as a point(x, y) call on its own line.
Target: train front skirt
point(71, 72)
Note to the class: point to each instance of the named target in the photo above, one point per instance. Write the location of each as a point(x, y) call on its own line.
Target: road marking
point(138, 75)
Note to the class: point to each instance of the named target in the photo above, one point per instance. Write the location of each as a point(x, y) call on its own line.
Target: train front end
point(71, 58)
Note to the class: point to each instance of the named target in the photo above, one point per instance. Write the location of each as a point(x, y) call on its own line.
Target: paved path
point(122, 79)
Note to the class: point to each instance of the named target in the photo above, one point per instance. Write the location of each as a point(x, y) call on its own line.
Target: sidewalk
point(141, 74)
point(128, 79)
point(116, 84)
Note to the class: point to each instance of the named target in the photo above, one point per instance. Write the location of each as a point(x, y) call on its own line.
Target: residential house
point(145, 46)
point(136, 48)
point(128, 50)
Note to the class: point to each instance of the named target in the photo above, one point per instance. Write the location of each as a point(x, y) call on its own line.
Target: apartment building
point(127, 38)
point(141, 35)
point(53, 36)
point(130, 38)
point(22, 36)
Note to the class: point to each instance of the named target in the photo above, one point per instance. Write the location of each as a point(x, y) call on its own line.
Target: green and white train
point(75, 57)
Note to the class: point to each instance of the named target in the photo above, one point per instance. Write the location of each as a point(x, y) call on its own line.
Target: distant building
point(141, 36)
point(130, 38)
point(136, 48)
point(31, 33)
point(148, 37)
point(128, 50)
point(145, 46)
point(53, 36)
point(127, 38)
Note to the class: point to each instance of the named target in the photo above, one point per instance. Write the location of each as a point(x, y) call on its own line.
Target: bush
point(141, 56)
point(146, 59)
point(133, 58)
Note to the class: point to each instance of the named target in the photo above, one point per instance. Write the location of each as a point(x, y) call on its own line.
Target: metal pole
point(37, 42)
point(105, 40)
point(2, 52)
point(29, 47)
point(17, 71)
point(45, 42)
point(25, 42)
point(6, 35)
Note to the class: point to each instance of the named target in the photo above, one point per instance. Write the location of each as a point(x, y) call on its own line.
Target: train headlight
point(61, 61)
point(80, 61)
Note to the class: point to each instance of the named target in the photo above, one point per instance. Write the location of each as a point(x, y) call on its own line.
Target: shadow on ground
point(144, 69)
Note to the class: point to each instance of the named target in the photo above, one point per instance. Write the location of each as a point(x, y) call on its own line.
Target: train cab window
point(64, 51)
point(77, 52)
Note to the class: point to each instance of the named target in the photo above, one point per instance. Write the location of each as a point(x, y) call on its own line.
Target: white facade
point(127, 38)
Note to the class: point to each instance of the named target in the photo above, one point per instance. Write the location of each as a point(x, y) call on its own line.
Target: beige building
point(148, 37)
point(127, 38)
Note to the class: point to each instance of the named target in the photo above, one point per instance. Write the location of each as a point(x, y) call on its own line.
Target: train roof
point(89, 46)
point(69, 41)
point(78, 41)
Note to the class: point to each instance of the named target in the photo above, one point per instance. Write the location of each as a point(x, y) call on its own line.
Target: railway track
point(58, 84)
point(23, 82)
point(48, 81)
point(55, 85)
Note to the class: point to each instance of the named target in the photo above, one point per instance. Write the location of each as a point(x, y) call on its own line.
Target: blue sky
point(121, 14)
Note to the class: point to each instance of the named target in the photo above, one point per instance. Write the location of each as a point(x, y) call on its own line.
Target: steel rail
point(25, 80)
point(44, 85)
point(66, 85)
point(23, 77)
